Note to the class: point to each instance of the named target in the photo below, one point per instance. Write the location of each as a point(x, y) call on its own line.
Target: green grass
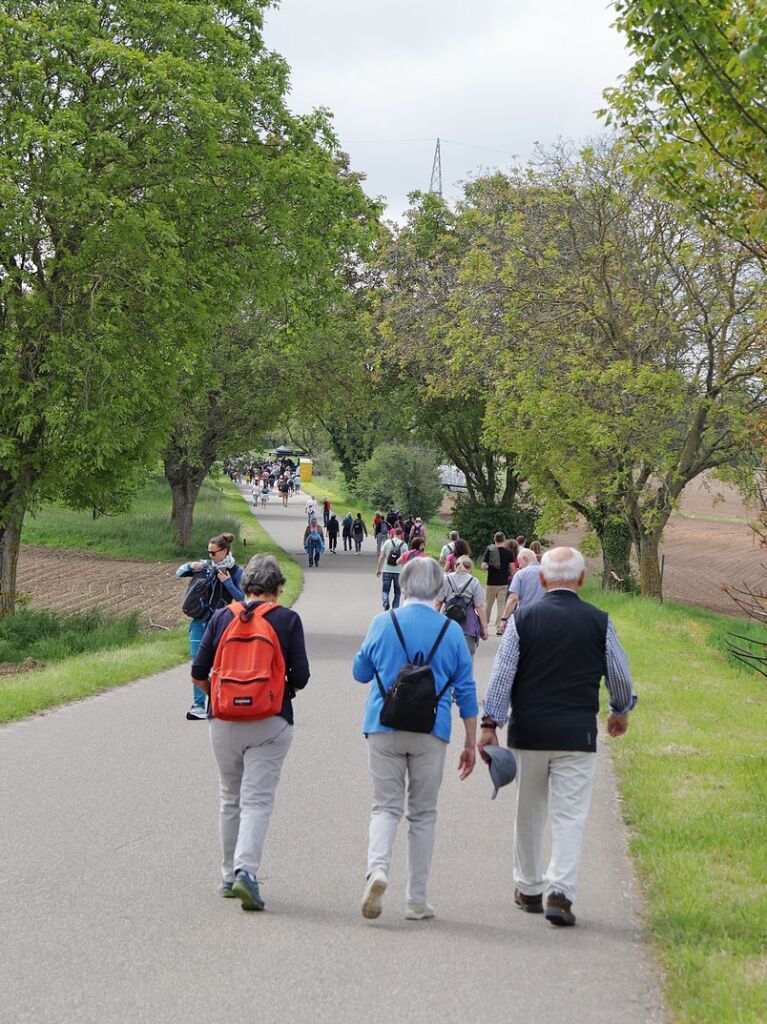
point(86, 674)
point(693, 776)
point(48, 636)
point(142, 533)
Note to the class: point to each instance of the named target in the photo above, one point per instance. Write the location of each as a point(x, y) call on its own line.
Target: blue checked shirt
point(499, 690)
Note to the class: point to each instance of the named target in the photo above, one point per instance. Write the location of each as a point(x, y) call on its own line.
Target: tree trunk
point(649, 568)
point(184, 494)
point(10, 541)
point(616, 540)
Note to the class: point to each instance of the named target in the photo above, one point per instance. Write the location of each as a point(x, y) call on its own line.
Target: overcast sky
point(500, 74)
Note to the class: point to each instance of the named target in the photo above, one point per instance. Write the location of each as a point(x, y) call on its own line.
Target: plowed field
point(73, 581)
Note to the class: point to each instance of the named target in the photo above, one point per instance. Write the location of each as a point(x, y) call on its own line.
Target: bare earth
point(81, 580)
point(707, 544)
point(701, 555)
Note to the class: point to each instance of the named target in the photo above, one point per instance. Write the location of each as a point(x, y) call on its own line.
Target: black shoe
point(530, 904)
point(386, 607)
point(559, 910)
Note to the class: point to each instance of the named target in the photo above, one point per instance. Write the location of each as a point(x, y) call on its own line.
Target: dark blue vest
point(555, 697)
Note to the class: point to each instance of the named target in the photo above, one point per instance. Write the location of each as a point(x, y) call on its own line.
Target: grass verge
point(223, 510)
point(48, 636)
point(693, 777)
point(86, 674)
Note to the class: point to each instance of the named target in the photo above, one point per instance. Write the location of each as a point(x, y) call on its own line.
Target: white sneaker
point(418, 911)
point(196, 713)
point(374, 890)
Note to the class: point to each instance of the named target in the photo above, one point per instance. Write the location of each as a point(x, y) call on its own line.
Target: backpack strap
point(399, 633)
point(437, 642)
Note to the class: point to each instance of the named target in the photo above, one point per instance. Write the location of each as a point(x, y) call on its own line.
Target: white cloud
point(501, 74)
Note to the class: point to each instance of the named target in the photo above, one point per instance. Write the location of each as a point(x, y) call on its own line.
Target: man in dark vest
point(546, 673)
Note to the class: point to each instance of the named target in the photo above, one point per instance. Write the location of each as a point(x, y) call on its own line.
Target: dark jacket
point(220, 594)
point(562, 658)
point(290, 632)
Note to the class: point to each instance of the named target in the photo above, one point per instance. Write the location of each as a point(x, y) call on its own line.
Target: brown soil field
point(707, 544)
point(75, 581)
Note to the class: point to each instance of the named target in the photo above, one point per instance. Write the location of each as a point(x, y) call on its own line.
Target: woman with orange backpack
point(251, 686)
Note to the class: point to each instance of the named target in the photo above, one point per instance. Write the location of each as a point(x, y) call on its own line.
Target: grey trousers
point(412, 764)
point(249, 757)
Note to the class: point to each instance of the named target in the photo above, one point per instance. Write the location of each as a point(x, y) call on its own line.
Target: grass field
point(693, 776)
point(46, 636)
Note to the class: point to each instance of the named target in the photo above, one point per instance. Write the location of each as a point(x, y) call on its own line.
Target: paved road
point(108, 870)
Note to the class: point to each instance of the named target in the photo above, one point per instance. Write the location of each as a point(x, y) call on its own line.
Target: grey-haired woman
point(249, 753)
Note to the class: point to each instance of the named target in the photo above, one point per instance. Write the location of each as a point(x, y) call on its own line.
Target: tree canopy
point(694, 102)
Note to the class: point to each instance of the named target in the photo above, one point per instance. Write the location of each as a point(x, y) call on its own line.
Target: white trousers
point(249, 757)
point(555, 783)
point(412, 764)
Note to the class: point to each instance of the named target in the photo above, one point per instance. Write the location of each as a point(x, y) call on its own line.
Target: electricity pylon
point(435, 185)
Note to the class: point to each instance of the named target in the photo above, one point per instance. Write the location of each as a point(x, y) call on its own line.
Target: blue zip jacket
point(420, 625)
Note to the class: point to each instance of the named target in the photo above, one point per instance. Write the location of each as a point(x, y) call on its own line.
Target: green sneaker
point(245, 889)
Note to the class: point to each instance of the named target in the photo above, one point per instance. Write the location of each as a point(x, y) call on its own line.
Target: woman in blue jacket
point(224, 577)
point(411, 764)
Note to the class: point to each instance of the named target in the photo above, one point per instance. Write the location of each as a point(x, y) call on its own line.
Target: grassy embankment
point(693, 777)
point(143, 533)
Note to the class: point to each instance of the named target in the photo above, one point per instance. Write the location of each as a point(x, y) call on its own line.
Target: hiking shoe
point(196, 713)
point(559, 910)
point(419, 911)
point(374, 890)
point(530, 904)
point(245, 889)
point(225, 890)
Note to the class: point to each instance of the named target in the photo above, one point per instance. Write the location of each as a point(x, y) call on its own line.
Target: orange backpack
point(247, 681)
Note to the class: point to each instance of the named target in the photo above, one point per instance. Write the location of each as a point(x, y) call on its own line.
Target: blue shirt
point(420, 625)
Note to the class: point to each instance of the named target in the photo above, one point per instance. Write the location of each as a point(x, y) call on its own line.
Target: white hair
point(527, 555)
point(422, 578)
point(562, 565)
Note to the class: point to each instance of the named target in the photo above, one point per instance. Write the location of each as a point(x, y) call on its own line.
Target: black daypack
point(410, 704)
point(457, 603)
point(394, 554)
point(196, 603)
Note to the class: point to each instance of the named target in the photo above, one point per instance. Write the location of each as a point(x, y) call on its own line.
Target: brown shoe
point(559, 910)
point(530, 904)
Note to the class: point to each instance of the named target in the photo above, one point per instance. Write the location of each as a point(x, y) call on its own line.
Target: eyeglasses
point(215, 551)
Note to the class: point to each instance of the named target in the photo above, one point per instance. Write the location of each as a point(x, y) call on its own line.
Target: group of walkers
point(353, 530)
point(417, 656)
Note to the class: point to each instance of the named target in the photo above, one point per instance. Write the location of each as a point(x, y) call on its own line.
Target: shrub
point(401, 477)
point(477, 523)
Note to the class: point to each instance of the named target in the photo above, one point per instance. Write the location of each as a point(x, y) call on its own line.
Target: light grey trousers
point(405, 764)
point(555, 784)
point(249, 757)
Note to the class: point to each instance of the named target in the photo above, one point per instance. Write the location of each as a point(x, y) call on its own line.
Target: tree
point(246, 374)
point(694, 103)
point(423, 317)
point(147, 163)
point(643, 357)
point(401, 477)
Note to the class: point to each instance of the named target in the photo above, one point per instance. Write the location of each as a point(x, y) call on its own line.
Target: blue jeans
point(313, 551)
point(196, 630)
point(388, 579)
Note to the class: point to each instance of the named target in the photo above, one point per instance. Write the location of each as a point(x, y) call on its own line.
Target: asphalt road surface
point(109, 866)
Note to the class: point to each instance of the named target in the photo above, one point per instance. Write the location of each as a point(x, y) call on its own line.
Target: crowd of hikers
point(249, 661)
